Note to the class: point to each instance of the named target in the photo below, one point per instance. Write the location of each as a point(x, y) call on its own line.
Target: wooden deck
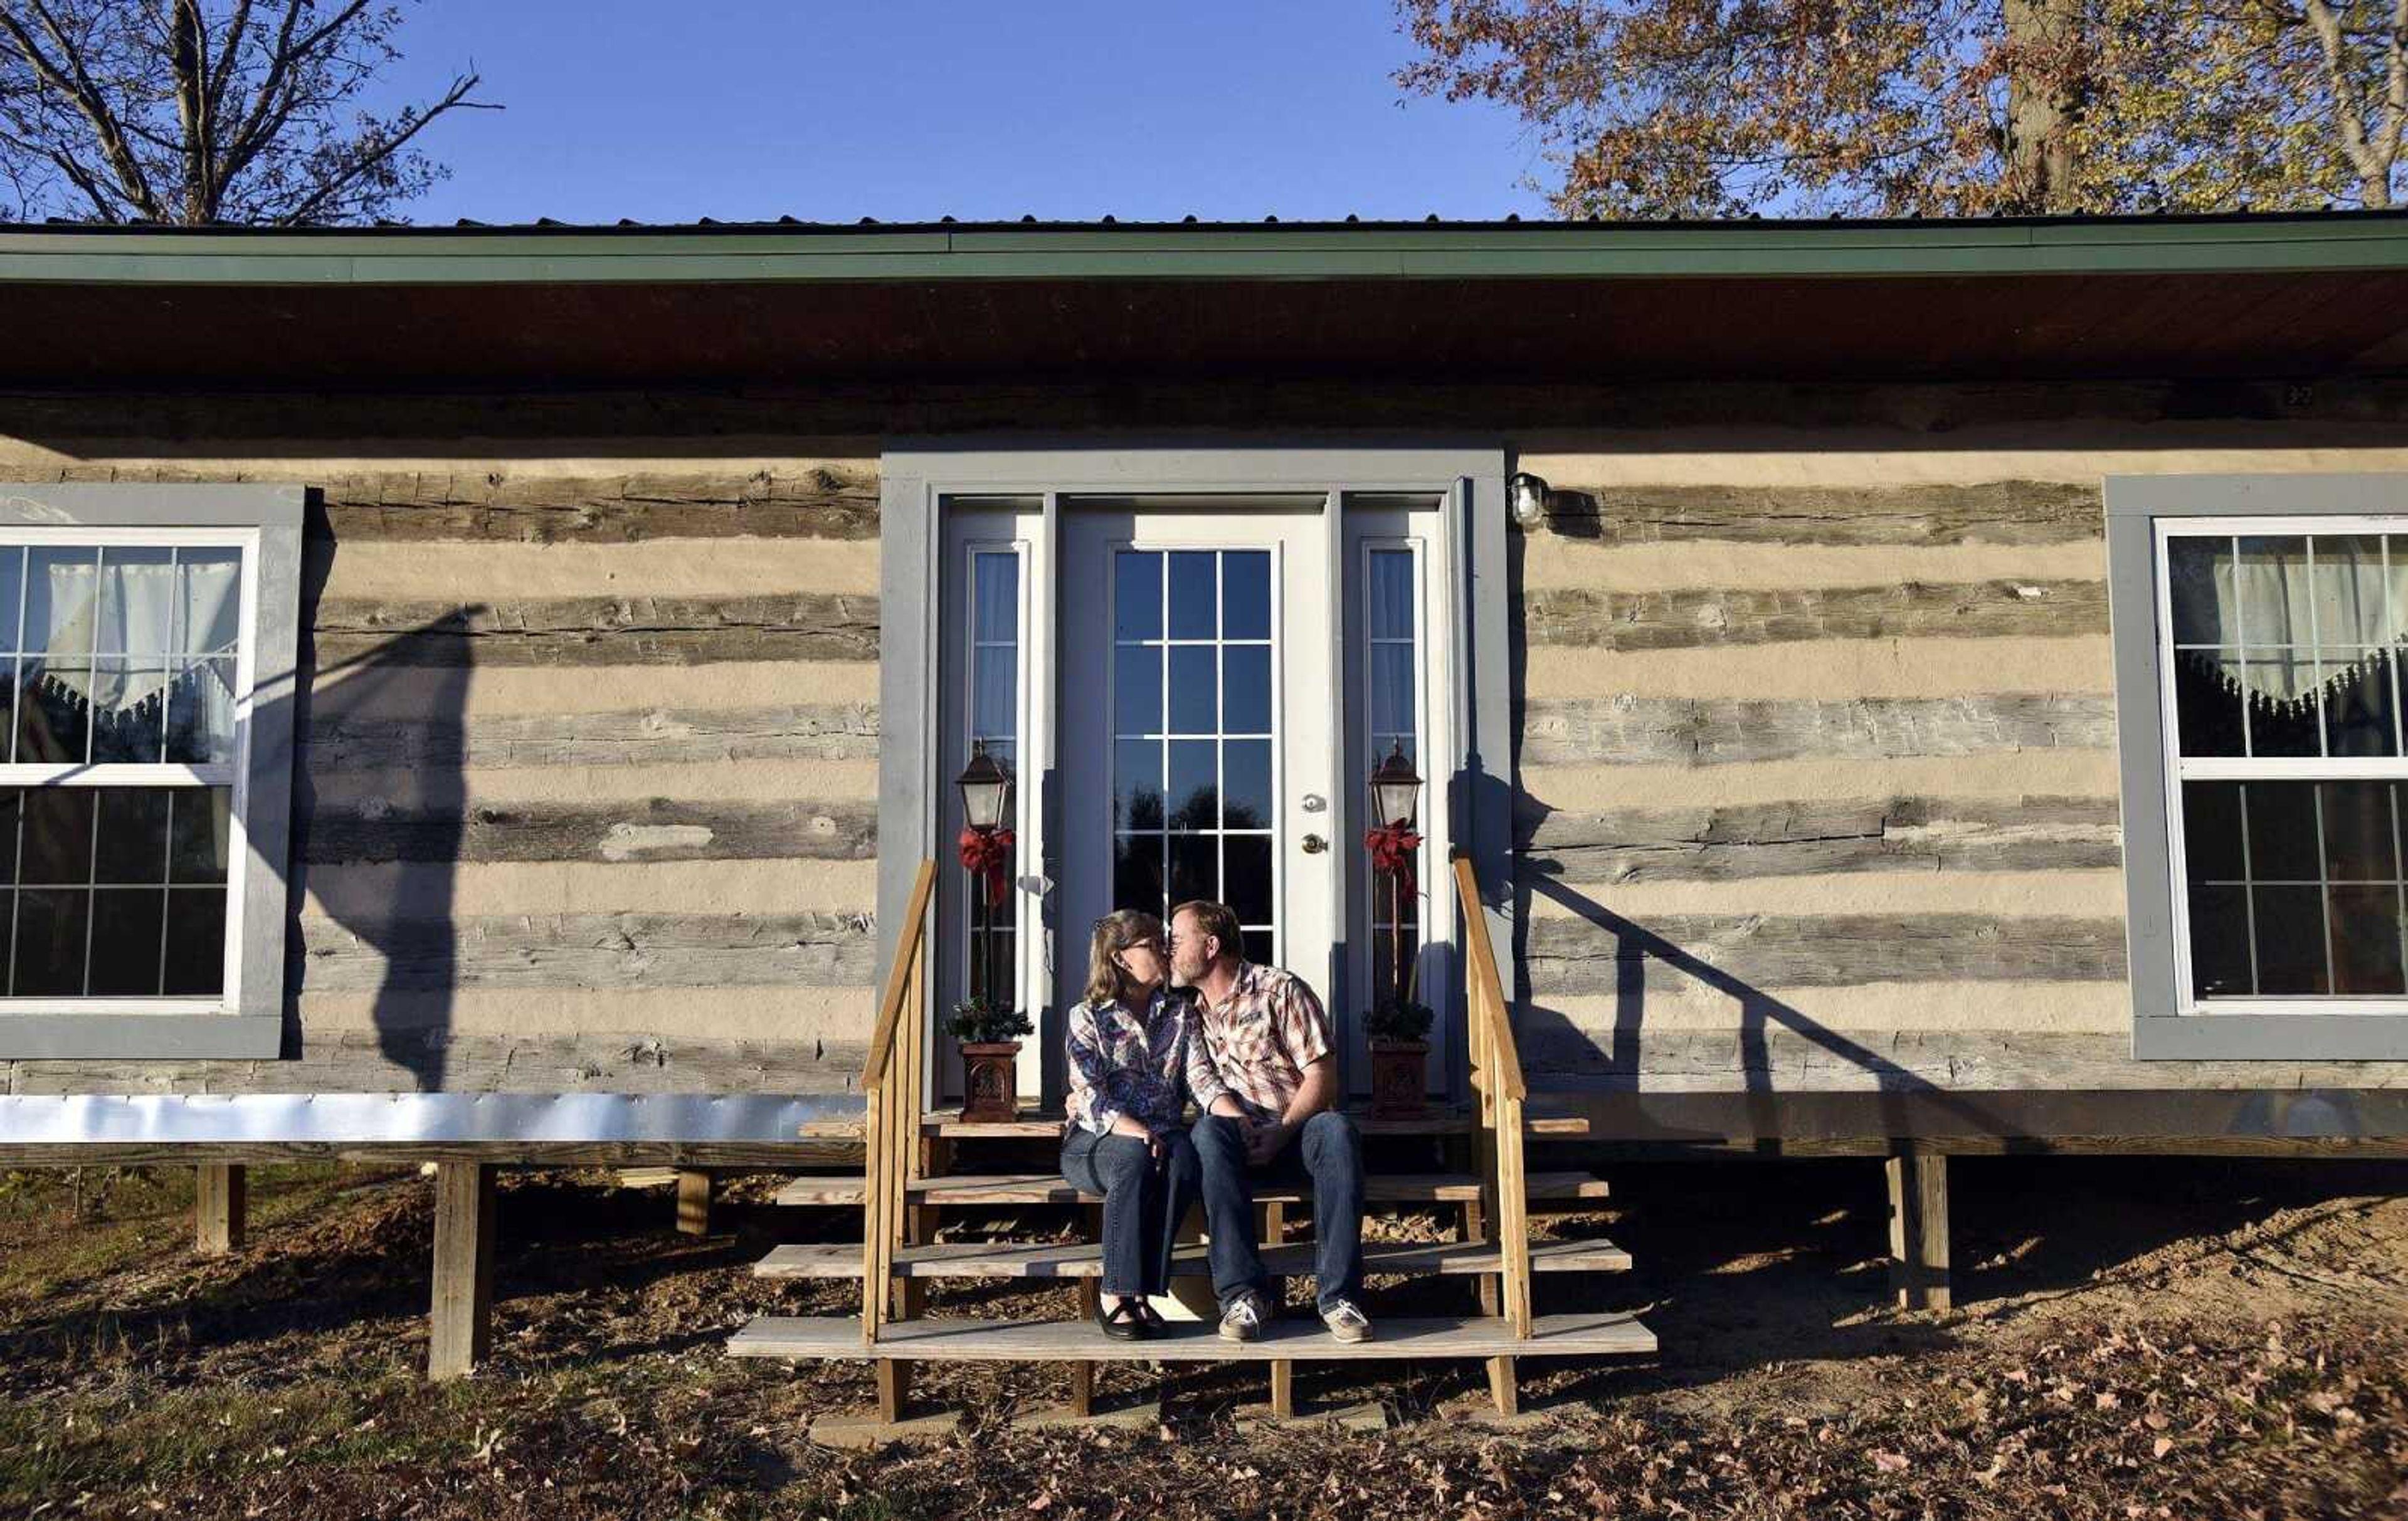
point(1050, 1188)
point(1081, 1341)
point(980, 1259)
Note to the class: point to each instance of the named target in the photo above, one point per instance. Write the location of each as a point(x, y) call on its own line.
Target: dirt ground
point(2135, 1338)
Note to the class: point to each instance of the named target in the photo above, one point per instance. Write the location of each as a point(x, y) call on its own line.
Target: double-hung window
point(146, 688)
point(2260, 624)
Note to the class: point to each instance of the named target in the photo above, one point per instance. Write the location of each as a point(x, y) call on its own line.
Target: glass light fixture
point(1528, 496)
point(1395, 790)
point(986, 790)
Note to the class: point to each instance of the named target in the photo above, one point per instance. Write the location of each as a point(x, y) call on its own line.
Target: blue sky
point(905, 109)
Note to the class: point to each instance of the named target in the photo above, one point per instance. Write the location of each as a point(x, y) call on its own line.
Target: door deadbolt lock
point(1315, 844)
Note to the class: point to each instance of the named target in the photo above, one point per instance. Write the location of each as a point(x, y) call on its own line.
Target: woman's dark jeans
point(1144, 1202)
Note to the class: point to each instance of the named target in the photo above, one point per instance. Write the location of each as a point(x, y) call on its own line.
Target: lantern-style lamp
point(1395, 790)
point(987, 791)
point(1527, 496)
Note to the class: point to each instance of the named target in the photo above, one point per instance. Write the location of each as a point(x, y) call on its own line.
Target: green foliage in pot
point(977, 1021)
point(1398, 1022)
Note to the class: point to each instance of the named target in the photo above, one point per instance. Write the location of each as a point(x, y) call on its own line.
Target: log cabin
point(1877, 688)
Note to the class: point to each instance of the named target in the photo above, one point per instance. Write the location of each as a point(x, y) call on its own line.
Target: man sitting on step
point(1263, 1070)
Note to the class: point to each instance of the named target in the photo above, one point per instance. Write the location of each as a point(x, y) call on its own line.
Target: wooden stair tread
point(1033, 1125)
point(1590, 1334)
point(1050, 1188)
point(983, 1259)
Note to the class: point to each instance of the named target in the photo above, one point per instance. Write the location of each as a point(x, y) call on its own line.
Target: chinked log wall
point(588, 785)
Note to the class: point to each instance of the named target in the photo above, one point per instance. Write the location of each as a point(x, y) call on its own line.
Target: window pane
point(1246, 594)
point(137, 599)
point(200, 714)
point(2212, 831)
point(1195, 866)
point(2283, 717)
point(1249, 885)
point(1247, 688)
point(994, 712)
point(53, 714)
point(2272, 582)
point(2346, 583)
point(1262, 947)
point(1246, 784)
point(1391, 691)
point(55, 848)
point(1136, 873)
point(1137, 595)
point(995, 589)
point(1136, 689)
point(129, 713)
point(132, 829)
point(51, 927)
point(126, 926)
point(2219, 943)
point(1136, 783)
point(199, 837)
point(2282, 831)
point(1194, 707)
point(2357, 833)
point(2366, 941)
point(2359, 705)
point(1391, 602)
point(2290, 939)
point(12, 594)
point(1194, 590)
point(2199, 575)
point(197, 930)
point(1194, 795)
point(60, 592)
point(2208, 704)
point(208, 600)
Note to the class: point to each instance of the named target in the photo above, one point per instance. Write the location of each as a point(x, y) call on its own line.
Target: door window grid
point(1391, 679)
point(993, 721)
point(131, 666)
point(2283, 744)
point(1192, 791)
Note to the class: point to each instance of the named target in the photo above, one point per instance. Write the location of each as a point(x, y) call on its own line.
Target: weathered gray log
point(1812, 837)
point(412, 1058)
point(636, 737)
point(1992, 512)
point(604, 510)
point(1689, 619)
point(652, 829)
point(596, 630)
point(1746, 952)
point(1638, 731)
point(588, 950)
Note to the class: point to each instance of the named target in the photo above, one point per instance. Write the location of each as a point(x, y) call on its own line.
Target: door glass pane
point(1137, 595)
point(1246, 594)
point(1136, 689)
point(1194, 795)
point(1195, 868)
point(1136, 784)
point(1246, 692)
point(1195, 593)
point(1391, 725)
point(1246, 784)
point(1136, 873)
point(1195, 703)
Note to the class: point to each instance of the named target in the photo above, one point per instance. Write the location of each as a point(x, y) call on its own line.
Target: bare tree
point(198, 111)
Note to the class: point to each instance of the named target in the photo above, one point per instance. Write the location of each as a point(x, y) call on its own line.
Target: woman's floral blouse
point(1121, 1063)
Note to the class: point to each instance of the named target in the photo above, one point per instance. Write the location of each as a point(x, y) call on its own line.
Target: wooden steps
point(1036, 1125)
point(978, 1259)
point(1587, 1335)
point(1050, 1188)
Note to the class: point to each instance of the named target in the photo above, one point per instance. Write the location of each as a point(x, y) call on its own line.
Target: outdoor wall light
point(1528, 496)
point(985, 787)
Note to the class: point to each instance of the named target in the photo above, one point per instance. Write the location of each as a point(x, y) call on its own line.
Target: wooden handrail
point(1496, 1070)
point(907, 946)
point(1486, 987)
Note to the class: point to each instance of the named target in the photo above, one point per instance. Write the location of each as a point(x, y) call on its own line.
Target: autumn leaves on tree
point(1936, 107)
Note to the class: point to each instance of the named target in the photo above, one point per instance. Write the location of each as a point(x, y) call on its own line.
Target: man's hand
point(1265, 1138)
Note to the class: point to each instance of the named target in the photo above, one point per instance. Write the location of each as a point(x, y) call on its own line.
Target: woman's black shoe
point(1124, 1321)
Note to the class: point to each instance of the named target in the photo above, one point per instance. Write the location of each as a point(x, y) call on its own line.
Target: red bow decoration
point(1392, 849)
point(988, 852)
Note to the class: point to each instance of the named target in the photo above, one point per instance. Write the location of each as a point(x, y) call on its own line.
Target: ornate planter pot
point(1397, 1088)
point(990, 1080)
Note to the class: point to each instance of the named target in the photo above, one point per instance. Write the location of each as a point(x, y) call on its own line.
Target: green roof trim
point(1292, 251)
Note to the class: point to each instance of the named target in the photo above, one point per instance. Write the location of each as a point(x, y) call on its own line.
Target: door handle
point(1315, 844)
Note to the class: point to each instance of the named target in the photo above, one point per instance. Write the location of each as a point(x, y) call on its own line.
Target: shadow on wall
point(379, 808)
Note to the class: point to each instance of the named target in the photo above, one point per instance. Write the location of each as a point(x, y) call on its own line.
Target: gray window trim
point(2133, 505)
point(915, 473)
point(254, 1029)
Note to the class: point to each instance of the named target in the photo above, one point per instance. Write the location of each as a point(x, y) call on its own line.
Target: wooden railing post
point(889, 1091)
point(1497, 1073)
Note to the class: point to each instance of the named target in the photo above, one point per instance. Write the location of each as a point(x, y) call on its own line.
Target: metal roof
point(546, 252)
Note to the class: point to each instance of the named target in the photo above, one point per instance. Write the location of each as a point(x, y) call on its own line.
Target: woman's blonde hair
point(1116, 931)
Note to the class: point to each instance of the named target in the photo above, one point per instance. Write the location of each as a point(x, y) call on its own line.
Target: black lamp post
point(986, 802)
point(1395, 797)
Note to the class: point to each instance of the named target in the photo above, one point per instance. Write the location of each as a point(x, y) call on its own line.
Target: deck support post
point(1918, 1229)
point(1274, 1231)
point(460, 1320)
point(220, 1196)
point(893, 1389)
point(693, 1201)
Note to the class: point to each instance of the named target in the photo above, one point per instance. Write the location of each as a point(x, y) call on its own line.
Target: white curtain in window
point(2285, 619)
point(148, 610)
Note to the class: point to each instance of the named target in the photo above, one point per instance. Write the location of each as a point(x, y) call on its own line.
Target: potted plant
point(1398, 1030)
point(990, 1039)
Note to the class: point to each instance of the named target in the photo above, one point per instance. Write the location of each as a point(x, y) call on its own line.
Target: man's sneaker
point(1243, 1321)
point(1346, 1321)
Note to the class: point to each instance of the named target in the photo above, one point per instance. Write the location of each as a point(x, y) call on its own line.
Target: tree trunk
point(2044, 93)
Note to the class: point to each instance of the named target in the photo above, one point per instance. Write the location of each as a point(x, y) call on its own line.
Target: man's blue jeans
point(1328, 1155)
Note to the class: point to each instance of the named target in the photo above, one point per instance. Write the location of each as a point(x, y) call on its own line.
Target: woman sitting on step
point(1130, 1042)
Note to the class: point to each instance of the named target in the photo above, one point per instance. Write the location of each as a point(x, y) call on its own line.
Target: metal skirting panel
point(414, 1118)
point(2175, 1116)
